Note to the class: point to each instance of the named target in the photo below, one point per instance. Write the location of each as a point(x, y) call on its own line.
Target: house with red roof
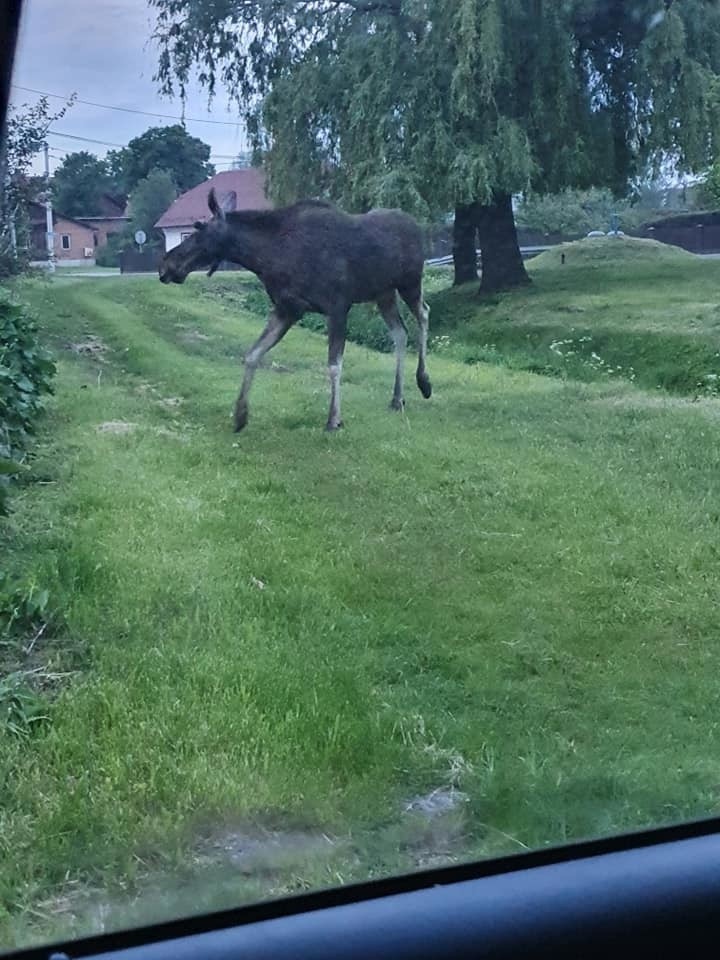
point(73, 241)
point(242, 189)
point(111, 216)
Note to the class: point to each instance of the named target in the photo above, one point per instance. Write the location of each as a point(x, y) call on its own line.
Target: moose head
point(206, 247)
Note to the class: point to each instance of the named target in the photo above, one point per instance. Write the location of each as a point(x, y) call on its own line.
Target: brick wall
point(72, 240)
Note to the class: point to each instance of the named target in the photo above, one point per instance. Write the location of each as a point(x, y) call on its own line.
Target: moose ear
point(214, 205)
point(199, 225)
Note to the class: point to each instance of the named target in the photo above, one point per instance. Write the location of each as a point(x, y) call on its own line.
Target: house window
point(65, 241)
point(184, 236)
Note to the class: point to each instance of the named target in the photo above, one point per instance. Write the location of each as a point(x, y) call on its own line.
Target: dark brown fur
point(312, 257)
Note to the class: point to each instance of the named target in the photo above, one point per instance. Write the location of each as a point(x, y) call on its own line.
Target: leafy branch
point(27, 128)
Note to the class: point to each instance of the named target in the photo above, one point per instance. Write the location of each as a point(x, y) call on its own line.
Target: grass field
point(284, 659)
point(614, 309)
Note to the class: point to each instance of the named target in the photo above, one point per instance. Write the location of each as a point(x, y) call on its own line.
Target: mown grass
point(509, 591)
point(614, 309)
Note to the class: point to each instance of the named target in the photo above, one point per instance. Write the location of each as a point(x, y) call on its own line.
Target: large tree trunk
point(502, 262)
point(464, 244)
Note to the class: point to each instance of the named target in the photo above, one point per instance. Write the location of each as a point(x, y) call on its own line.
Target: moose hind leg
point(388, 307)
point(274, 331)
point(413, 297)
point(337, 329)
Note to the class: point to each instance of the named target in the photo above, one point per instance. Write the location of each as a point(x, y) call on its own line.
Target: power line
point(121, 146)
point(144, 113)
point(74, 136)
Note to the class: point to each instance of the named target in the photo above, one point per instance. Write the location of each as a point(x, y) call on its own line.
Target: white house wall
point(173, 236)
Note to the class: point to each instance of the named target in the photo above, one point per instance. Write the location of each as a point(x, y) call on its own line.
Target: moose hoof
point(241, 418)
point(424, 385)
point(396, 404)
point(332, 426)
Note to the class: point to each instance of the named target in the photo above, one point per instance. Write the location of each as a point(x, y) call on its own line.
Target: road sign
point(140, 237)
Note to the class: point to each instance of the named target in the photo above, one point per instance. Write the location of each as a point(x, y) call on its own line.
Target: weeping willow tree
point(435, 105)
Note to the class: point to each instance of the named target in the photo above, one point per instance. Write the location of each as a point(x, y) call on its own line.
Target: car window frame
point(642, 894)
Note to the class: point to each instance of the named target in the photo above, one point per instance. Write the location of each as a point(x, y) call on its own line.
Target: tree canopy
point(710, 189)
point(79, 183)
point(434, 105)
point(148, 201)
point(171, 148)
point(82, 178)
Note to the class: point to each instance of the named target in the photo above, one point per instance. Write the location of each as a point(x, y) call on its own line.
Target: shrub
point(26, 372)
point(573, 212)
point(106, 256)
point(365, 326)
point(109, 254)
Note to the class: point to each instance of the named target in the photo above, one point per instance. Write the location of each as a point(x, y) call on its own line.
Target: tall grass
point(507, 594)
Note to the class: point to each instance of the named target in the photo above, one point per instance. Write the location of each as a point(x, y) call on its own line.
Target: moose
point(313, 257)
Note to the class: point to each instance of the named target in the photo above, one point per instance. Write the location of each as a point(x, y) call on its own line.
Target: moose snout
point(168, 275)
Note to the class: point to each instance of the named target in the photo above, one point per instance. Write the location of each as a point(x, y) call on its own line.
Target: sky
point(101, 50)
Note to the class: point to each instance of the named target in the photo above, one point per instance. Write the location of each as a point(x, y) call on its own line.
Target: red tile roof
point(248, 185)
point(38, 215)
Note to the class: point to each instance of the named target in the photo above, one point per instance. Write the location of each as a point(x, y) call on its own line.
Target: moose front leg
point(337, 327)
point(276, 328)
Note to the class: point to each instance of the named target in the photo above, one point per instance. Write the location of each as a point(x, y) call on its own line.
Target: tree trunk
point(464, 244)
point(502, 262)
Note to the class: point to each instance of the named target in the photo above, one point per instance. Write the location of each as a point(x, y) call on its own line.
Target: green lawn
point(615, 309)
point(63, 271)
point(261, 648)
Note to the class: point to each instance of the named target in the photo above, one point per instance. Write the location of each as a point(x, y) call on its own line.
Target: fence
point(698, 233)
point(135, 261)
point(697, 238)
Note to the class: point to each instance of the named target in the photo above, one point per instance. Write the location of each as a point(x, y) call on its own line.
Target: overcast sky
point(100, 50)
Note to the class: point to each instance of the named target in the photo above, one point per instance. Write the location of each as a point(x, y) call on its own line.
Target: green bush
point(109, 255)
point(106, 256)
point(365, 326)
point(576, 212)
point(26, 372)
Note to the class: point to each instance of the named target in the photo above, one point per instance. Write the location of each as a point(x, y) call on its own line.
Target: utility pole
point(48, 213)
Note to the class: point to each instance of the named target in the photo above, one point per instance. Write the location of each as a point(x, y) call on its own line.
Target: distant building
point(242, 189)
point(74, 241)
point(110, 217)
point(76, 238)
